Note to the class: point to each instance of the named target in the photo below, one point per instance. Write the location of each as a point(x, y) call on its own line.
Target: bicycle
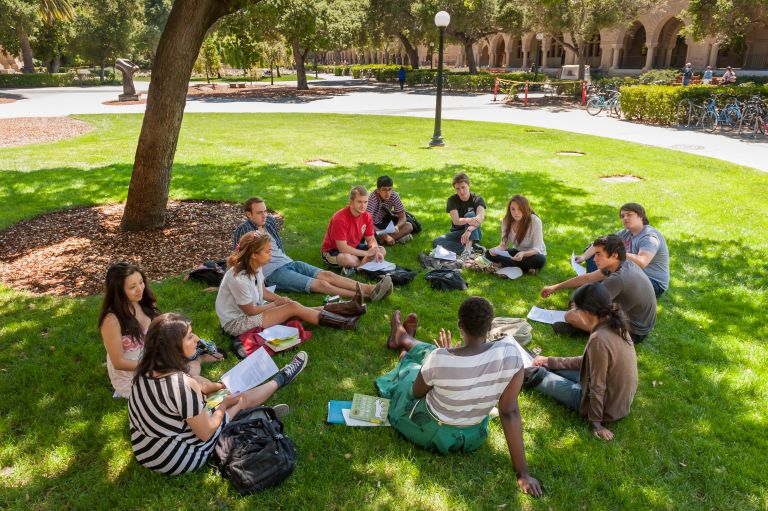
point(754, 116)
point(726, 119)
point(599, 102)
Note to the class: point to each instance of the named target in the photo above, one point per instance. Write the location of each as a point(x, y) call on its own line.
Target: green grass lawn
point(696, 437)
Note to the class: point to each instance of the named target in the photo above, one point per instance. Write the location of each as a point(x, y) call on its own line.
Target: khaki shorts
point(242, 324)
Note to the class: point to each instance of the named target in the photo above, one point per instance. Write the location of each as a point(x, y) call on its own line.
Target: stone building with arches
point(652, 41)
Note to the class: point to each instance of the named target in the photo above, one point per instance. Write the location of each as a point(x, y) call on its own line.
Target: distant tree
point(727, 20)
point(574, 23)
point(471, 21)
point(108, 29)
point(240, 43)
point(155, 16)
point(52, 41)
point(209, 60)
point(22, 18)
point(395, 19)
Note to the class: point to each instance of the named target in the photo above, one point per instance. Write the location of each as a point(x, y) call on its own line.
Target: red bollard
point(583, 92)
point(526, 93)
point(496, 88)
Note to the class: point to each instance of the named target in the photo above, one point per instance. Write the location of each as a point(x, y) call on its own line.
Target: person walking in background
point(687, 74)
point(401, 77)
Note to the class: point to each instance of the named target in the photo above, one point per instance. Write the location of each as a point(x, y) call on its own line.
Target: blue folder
point(334, 411)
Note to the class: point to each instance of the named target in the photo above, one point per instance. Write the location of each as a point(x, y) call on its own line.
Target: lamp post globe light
point(442, 19)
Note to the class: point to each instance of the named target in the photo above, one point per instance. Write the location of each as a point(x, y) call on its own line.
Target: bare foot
point(395, 322)
point(402, 354)
point(411, 323)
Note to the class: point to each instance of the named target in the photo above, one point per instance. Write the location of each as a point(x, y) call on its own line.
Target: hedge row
point(657, 104)
point(481, 82)
point(50, 80)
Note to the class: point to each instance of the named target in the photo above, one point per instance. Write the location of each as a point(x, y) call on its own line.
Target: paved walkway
point(381, 99)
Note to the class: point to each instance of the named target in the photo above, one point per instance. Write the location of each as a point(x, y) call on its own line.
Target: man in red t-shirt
point(350, 239)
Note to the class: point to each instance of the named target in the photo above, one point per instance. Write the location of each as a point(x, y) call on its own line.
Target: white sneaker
point(404, 239)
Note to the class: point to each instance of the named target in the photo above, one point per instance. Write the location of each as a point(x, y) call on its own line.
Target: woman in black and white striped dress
point(171, 430)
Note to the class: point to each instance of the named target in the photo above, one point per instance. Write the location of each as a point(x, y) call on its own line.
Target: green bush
point(662, 76)
point(656, 104)
point(51, 80)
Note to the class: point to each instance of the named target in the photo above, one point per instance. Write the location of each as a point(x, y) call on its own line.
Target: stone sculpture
point(128, 68)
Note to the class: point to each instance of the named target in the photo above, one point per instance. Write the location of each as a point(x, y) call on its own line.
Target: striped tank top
point(160, 436)
point(465, 389)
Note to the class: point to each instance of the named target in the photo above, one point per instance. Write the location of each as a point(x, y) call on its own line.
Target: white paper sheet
point(527, 359)
point(249, 373)
point(545, 315)
point(579, 269)
point(278, 332)
point(380, 266)
point(441, 252)
point(389, 229)
point(511, 272)
point(500, 253)
point(356, 422)
point(271, 289)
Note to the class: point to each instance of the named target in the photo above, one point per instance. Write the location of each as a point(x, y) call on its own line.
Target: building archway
point(732, 56)
point(594, 51)
point(500, 53)
point(485, 57)
point(633, 56)
point(673, 49)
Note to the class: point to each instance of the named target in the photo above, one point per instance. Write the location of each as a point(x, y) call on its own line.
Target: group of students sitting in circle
point(441, 394)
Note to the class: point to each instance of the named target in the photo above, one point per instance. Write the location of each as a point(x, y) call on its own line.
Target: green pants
point(412, 418)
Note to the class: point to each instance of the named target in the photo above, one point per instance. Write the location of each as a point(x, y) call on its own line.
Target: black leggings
point(534, 262)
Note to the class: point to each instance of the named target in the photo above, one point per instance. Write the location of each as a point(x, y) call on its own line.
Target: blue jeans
point(294, 277)
point(452, 240)
point(563, 387)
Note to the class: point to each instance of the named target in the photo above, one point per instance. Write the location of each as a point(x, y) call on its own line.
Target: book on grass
point(369, 408)
point(281, 337)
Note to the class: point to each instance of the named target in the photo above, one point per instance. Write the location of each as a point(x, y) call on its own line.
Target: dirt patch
point(262, 92)
point(116, 102)
point(621, 178)
point(66, 253)
point(320, 163)
point(18, 131)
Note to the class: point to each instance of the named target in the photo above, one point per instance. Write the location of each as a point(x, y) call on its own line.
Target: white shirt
point(236, 290)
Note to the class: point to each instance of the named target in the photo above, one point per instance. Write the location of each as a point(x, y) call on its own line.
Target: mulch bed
point(262, 92)
point(116, 102)
point(18, 131)
point(66, 253)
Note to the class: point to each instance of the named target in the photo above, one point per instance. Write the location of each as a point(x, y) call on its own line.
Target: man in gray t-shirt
point(645, 245)
point(629, 286)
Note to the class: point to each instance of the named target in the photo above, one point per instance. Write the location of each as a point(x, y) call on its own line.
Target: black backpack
point(446, 280)
point(253, 452)
point(210, 272)
point(415, 223)
point(400, 276)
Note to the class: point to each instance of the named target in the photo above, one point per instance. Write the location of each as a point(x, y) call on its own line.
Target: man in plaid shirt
point(297, 276)
point(385, 206)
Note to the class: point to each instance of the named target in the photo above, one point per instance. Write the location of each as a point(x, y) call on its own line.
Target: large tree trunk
point(301, 72)
point(26, 51)
point(413, 53)
point(470, 56)
point(176, 53)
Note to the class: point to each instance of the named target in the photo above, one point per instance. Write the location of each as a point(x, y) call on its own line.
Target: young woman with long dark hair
point(126, 312)
point(172, 431)
point(601, 383)
point(521, 228)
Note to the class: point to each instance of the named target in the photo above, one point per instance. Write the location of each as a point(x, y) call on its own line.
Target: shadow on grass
point(669, 452)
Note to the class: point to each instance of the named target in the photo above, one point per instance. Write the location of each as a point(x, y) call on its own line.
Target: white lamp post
point(442, 19)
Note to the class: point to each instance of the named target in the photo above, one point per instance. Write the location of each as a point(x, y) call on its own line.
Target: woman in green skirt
point(441, 395)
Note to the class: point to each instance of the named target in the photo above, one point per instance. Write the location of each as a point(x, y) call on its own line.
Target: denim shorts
point(294, 277)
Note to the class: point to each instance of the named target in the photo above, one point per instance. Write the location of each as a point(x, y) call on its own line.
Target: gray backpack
point(518, 328)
